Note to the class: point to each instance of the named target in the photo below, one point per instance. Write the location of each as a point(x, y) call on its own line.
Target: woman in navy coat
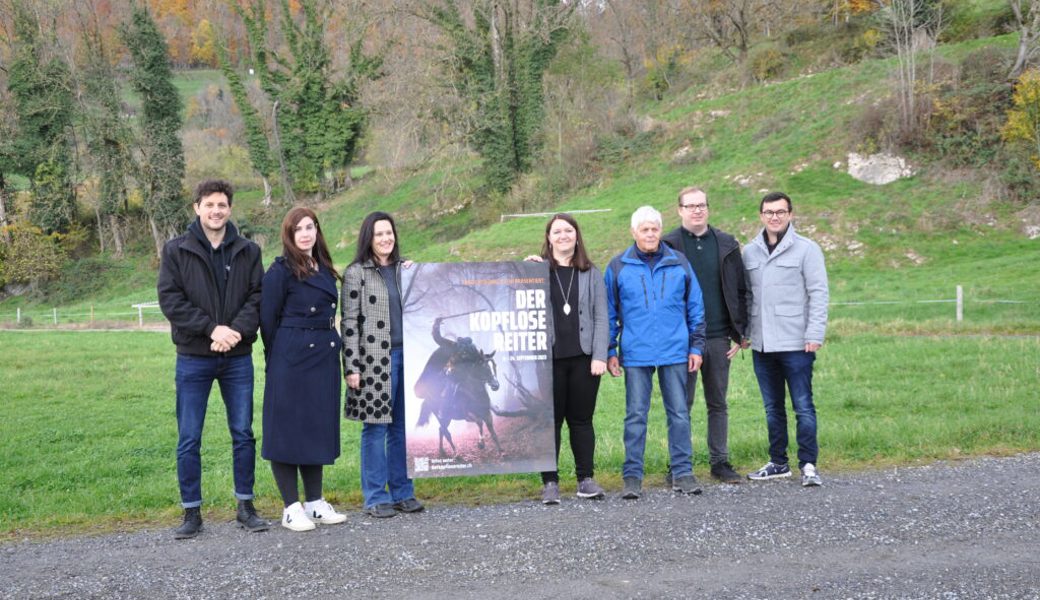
point(302, 351)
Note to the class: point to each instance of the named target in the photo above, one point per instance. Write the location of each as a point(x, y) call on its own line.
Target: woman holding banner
point(579, 342)
point(370, 302)
point(302, 387)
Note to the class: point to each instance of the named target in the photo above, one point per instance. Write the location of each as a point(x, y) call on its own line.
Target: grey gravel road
point(948, 531)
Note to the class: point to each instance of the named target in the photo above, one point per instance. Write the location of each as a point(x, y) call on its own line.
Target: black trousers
point(574, 401)
point(285, 479)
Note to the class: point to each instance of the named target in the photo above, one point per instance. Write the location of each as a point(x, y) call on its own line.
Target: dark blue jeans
point(195, 377)
point(383, 453)
point(793, 369)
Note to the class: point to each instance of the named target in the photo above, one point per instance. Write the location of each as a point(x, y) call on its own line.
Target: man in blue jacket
point(787, 296)
point(209, 290)
point(656, 318)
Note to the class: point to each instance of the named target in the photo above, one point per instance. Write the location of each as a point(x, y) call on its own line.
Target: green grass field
point(87, 426)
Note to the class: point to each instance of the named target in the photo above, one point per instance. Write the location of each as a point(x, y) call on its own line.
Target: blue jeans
point(795, 369)
point(194, 377)
point(638, 386)
point(383, 456)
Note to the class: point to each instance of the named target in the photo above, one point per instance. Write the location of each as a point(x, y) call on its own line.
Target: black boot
point(248, 519)
point(191, 526)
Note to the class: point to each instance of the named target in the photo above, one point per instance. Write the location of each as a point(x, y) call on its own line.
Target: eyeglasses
point(780, 214)
point(694, 207)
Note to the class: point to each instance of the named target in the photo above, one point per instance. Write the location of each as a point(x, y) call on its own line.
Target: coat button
point(313, 309)
point(311, 345)
point(332, 344)
point(333, 305)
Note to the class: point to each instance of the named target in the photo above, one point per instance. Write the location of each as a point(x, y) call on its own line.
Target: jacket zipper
point(646, 295)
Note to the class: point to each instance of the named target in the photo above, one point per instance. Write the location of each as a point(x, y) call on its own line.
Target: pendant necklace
point(566, 294)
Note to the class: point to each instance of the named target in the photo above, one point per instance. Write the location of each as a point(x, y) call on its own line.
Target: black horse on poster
point(454, 387)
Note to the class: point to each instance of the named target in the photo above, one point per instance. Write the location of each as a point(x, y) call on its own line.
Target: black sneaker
point(771, 470)
point(248, 519)
point(633, 488)
point(725, 473)
point(686, 484)
point(191, 526)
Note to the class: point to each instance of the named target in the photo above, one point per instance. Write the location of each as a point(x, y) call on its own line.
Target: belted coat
point(302, 351)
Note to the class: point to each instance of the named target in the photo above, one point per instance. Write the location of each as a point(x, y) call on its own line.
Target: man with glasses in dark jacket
point(209, 290)
point(715, 257)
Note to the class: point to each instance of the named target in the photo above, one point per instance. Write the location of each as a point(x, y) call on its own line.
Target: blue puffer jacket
point(658, 313)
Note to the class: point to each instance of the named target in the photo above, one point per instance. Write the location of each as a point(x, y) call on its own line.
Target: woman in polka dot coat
point(370, 301)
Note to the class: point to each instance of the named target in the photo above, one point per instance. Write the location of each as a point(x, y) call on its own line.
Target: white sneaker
point(322, 512)
point(294, 518)
point(810, 478)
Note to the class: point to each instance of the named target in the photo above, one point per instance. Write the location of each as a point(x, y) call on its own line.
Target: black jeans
point(574, 400)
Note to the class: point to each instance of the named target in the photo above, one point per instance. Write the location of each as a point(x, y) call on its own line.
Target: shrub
point(86, 277)
point(32, 256)
point(988, 65)
point(766, 63)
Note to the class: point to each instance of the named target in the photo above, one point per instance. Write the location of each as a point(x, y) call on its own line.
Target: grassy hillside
point(895, 252)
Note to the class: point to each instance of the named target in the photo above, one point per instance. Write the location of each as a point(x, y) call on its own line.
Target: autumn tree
point(1023, 119)
point(161, 155)
point(496, 64)
point(911, 26)
point(203, 45)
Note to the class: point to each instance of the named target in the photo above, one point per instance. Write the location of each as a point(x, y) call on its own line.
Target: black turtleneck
point(219, 257)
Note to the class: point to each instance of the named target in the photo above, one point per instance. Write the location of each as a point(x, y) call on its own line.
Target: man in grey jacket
point(787, 297)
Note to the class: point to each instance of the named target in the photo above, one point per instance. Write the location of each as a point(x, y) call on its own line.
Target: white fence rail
point(142, 313)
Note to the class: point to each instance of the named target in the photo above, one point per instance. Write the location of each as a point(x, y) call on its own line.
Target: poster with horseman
point(477, 368)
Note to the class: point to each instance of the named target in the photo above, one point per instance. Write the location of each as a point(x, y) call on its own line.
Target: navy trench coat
point(302, 351)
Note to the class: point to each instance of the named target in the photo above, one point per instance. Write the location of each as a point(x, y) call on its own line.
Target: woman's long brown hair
point(296, 259)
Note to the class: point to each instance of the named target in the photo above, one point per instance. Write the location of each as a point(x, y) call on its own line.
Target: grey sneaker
point(810, 478)
point(381, 511)
point(686, 484)
point(551, 493)
point(588, 488)
point(633, 488)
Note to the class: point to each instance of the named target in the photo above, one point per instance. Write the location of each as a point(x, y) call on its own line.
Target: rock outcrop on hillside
point(878, 169)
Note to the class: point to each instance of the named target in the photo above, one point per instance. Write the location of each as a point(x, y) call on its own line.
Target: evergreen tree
point(317, 117)
point(41, 149)
point(256, 138)
point(162, 156)
point(107, 137)
point(497, 66)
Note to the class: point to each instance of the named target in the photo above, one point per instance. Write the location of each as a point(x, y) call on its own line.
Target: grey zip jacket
point(787, 293)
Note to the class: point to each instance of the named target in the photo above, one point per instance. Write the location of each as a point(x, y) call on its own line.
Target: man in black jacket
point(715, 257)
point(209, 290)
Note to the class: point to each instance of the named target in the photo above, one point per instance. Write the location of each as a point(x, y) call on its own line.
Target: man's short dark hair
point(213, 186)
point(773, 197)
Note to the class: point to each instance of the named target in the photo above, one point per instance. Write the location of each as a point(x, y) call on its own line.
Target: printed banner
point(477, 368)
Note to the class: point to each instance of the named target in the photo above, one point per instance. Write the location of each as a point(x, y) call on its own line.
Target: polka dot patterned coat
point(365, 326)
